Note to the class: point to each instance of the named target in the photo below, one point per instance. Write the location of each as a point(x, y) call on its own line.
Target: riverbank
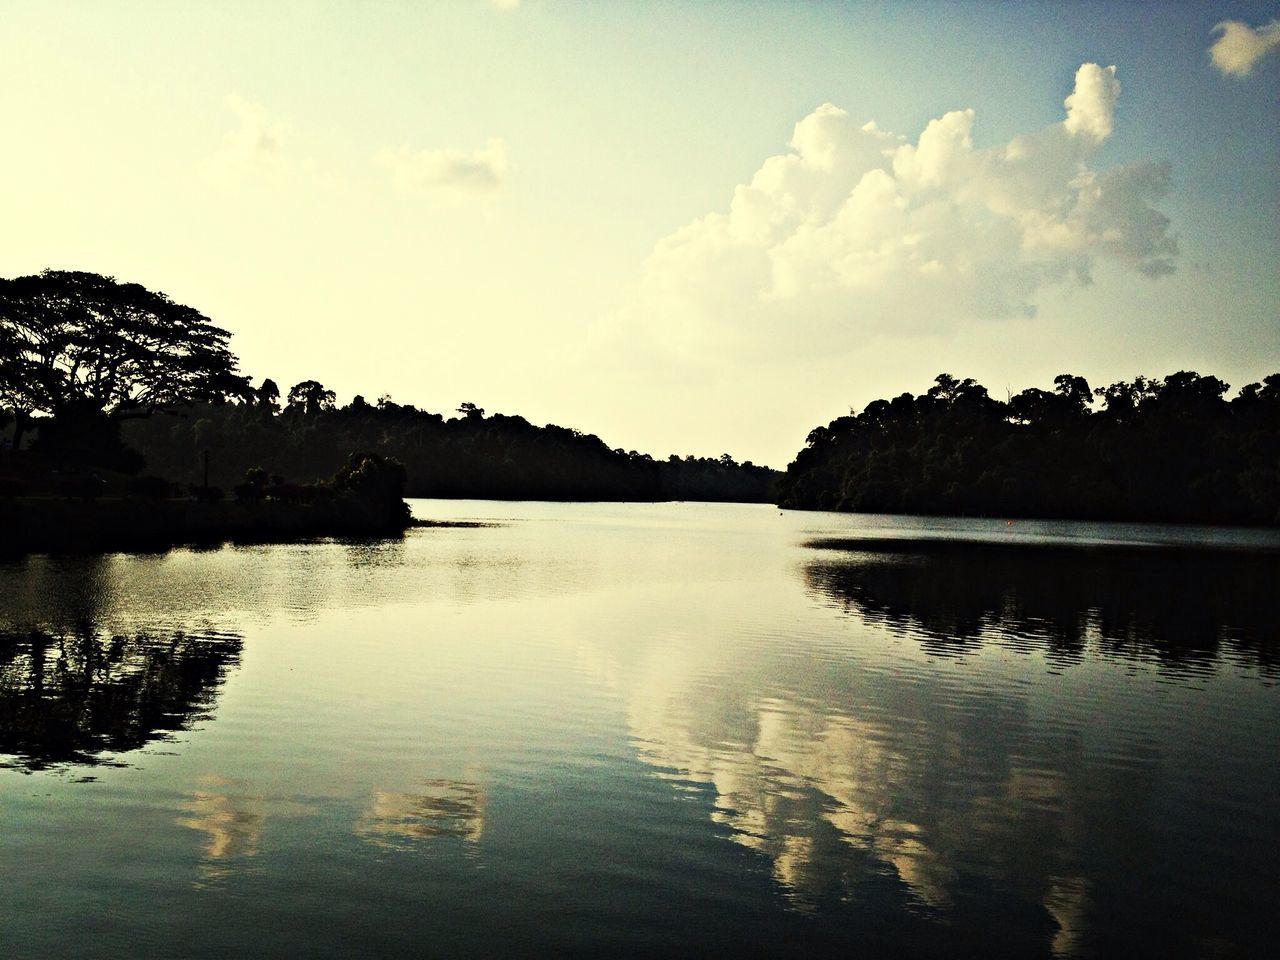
point(59, 525)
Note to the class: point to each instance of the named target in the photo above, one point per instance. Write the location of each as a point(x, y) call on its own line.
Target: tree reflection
point(1183, 607)
point(85, 697)
point(961, 791)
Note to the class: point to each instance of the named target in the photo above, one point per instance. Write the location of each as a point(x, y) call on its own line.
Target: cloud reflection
point(231, 821)
point(437, 808)
point(845, 777)
point(805, 786)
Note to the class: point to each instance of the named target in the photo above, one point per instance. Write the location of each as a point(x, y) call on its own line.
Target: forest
point(110, 383)
point(468, 455)
point(101, 379)
point(1173, 449)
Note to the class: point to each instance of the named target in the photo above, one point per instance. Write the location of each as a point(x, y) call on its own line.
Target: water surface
point(632, 729)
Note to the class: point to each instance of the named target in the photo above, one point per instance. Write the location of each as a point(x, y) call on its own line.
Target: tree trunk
point(19, 428)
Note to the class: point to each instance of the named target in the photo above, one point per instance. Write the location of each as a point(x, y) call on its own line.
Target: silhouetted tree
point(268, 395)
point(1074, 392)
point(88, 351)
point(310, 398)
point(1120, 401)
point(472, 455)
point(58, 326)
point(20, 377)
point(1169, 449)
point(74, 341)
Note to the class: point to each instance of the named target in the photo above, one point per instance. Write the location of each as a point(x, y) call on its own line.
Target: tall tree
point(311, 397)
point(73, 342)
point(268, 395)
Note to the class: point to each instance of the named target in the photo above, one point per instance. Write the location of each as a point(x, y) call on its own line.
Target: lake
point(647, 730)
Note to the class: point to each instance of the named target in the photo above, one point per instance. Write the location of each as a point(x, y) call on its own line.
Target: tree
point(1033, 406)
point(945, 388)
point(1075, 393)
point(1189, 392)
point(19, 377)
point(310, 397)
point(1068, 403)
point(78, 345)
point(268, 395)
point(1121, 401)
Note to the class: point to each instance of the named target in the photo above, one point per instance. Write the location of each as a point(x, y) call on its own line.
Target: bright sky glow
point(686, 227)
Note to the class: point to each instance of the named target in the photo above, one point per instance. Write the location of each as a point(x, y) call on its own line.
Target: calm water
point(679, 729)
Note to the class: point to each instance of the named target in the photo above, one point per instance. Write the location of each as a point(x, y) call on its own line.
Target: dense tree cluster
point(110, 376)
point(469, 455)
point(84, 352)
point(1165, 449)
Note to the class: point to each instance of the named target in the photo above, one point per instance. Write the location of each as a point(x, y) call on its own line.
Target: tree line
point(98, 374)
point(1171, 449)
point(468, 455)
point(106, 375)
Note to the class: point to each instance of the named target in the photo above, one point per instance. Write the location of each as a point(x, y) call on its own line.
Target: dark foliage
point(1167, 450)
point(81, 354)
point(83, 436)
point(81, 349)
point(471, 455)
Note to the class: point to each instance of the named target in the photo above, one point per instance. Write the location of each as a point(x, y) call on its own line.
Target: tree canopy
point(471, 455)
point(1171, 449)
point(86, 360)
point(309, 397)
point(81, 341)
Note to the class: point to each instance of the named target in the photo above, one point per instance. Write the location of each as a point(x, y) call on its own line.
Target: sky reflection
point(693, 729)
point(435, 808)
point(231, 821)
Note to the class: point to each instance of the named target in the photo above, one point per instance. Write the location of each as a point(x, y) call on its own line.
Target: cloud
point(256, 146)
point(1240, 46)
point(1092, 104)
point(481, 172)
point(859, 231)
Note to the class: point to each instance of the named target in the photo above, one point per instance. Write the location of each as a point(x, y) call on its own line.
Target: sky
point(692, 228)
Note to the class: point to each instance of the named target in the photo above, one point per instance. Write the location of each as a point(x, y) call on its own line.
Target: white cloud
point(256, 146)
point(1092, 104)
point(1240, 46)
point(858, 231)
point(481, 172)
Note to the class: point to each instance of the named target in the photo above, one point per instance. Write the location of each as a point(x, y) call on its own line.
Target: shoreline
point(61, 526)
point(34, 525)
